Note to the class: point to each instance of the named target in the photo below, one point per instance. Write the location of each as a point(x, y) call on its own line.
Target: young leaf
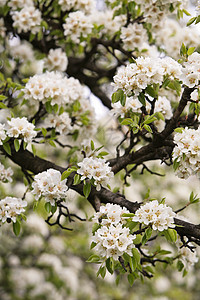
point(93, 259)
point(86, 189)
point(77, 179)
point(6, 147)
point(147, 235)
point(16, 227)
point(48, 207)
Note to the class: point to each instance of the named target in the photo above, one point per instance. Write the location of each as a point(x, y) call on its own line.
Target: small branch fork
point(63, 211)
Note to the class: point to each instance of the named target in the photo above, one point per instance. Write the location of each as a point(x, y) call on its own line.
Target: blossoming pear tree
point(143, 65)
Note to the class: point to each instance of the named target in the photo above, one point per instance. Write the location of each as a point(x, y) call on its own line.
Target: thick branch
point(27, 161)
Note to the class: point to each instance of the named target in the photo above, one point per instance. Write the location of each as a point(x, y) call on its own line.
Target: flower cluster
point(77, 25)
point(15, 4)
point(187, 152)
point(5, 174)
point(56, 60)
point(22, 51)
point(21, 128)
point(53, 85)
point(154, 11)
point(110, 24)
point(49, 185)
point(171, 36)
point(112, 238)
point(191, 70)
point(135, 77)
point(10, 207)
point(27, 19)
point(198, 8)
point(62, 123)
point(2, 133)
point(85, 5)
point(132, 105)
point(188, 257)
point(133, 36)
point(160, 216)
point(96, 169)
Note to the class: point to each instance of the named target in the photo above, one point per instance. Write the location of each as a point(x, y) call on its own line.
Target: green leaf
point(170, 234)
point(183, 50)
point(128, 215)
point(110, 265)
point(77, 179)
point(176, 164)
point(16, 145)
point(190, 50)
point(103, 153)
point(51, 142)
point(132, 263)
point(7, 148)
point(138, 239)
point(131, 279)
point(48, 207)
point(151, 92)
point(66, 173)
point(95, 227)
point(119, 96)
point(164, 252)
point(44, 132)
point(136, 255)
point(180, 265)
point(2, 105)
point(2, 97)
point(48, 107)
point(102, 272)
point(141, 98)
point(76, 106)
point(197, 20)
point(93, 259)
point(93, 244)
point(16, 227)
point(147, 128)
point(127, 121)
point(179, 129)
point(147, 235)
point(92, 145)
point(192, 20)
point(86, 189)
point(33, 149)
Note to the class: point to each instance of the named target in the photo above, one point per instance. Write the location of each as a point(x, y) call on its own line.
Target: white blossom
point(56, 60)
point(163, 105)
point(49, 185)
point(77, 25)
point(112, 239)
point(198, 8)
point(62, 123)
point(133, 36)
point(135, 77)
point(27, 19)
point(5, 174)
point(53, 86)
point(21, 128)
point(187, 152)
point(191, 70)
point(2, 133)
point(15, 4)
point(86, 6)
point(95, 168)
point(10, 207)
point(188, 257)
point(160, 216)
point(22, 51)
